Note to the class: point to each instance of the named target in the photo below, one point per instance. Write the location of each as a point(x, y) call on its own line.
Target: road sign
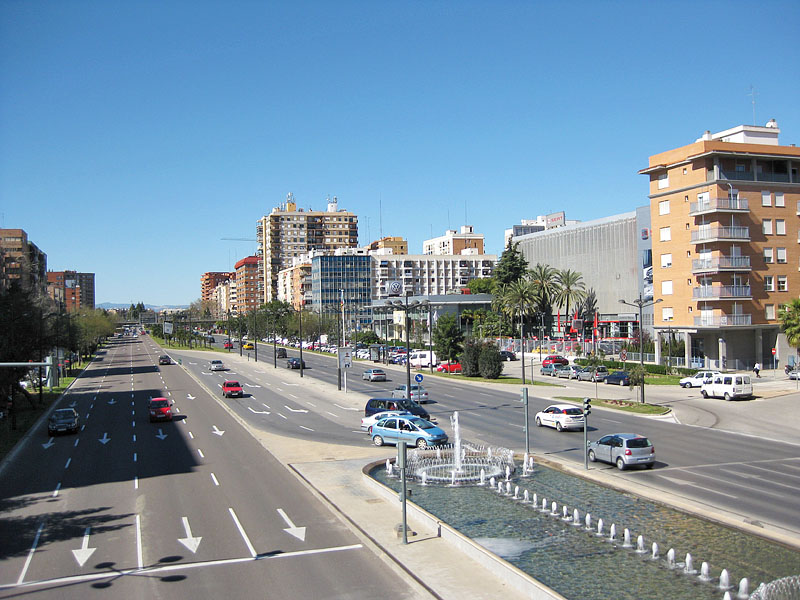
point(345, 358)
point(623, 356)
point(774, 351)
point(418, 377)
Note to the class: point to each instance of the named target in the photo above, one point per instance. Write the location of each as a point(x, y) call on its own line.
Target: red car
point(231, 388)
point(449, 368)
point(554, 359)
point(160, 409)
point(227, 345)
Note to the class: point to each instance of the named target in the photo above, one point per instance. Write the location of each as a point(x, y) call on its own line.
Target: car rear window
point(641, 442)
point(573, 411)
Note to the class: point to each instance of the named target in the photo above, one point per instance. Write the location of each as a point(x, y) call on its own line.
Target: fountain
point(576, 518)
point(599, 528)
point(626, 538)
point(525, 497)
point(671, 558)
point(744, 588)
point(705, 572)
point(554, 509)
point(725, 580)
point(655, 551)
point(612, 534)
point(689, 565)
point(588, 521)
point(640, 544)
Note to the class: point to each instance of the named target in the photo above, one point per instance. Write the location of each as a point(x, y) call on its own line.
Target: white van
point(423, 358)
point(728, 386)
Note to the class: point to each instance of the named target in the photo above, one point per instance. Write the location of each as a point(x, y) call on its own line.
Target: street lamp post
point(406, 307)
point(300, 330)
point(522, 340)
point(640, 304)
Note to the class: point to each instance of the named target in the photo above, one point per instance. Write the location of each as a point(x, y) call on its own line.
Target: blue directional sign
point(418, 377)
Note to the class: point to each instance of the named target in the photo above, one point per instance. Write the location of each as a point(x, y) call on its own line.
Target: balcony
point(721, 263)
point(722, 321)
point(719, 234)
point(721, 292)
point(724, 205)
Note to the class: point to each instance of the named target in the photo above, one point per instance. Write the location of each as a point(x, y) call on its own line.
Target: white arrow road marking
point(252, 386)
point(298, 532)
point(699, 487)
point(83, 554)
point(189, 397)
point(112, 401)
point(161, 435)
point(295, 410)
point(105, 439)
point(342, 407)
point(190, 542)
point(48, 444)
point(217, 430)
point(258, 412)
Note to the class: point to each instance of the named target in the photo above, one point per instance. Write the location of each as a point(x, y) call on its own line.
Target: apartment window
point(666, 261)
point(664, 234)
point(766, 199)
point(780, 226)
point(663, 207)
point(783, 283)
point(780, 200)
point(767, 255)
point(766, 226)
point(667, 314)
point(769, 283)
point(663, 181)
point(769, 312)
point(666, 288)
point(782, 256)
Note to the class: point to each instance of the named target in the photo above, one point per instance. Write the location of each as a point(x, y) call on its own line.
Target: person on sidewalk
point(756, 369)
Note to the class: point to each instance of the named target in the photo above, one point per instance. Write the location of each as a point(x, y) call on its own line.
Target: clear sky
point(135, 135)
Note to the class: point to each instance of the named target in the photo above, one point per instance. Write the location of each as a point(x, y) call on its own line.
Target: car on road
point(623, 450)
point(412, 430)
point(374, 375)
point(507, 355)
point(598, 373)
point(794, 374)
point(619, 378)
point(294, 363)
point(449, 368)
point(228, 345)
point(568, 372)
point(280, 353)
point(367, 422)
point(160, 409)
point(232, 388)
point(164, 360)
point(63, 420)
point(376, 405)
point(216, 365)
point(728, 386)
point(698, 379)
point(561, 416)
point(247, 346)
point(418, 393)
point(549, 370)
point(554, 359)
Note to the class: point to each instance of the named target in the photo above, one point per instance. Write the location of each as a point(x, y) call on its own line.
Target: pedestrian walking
point(756, 369)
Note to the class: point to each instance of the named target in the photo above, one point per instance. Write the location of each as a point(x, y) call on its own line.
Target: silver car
point(418, 393)
point(623, 449)
point(216, 365)
point(593, 373)
point(568, 372)
point(374, 375)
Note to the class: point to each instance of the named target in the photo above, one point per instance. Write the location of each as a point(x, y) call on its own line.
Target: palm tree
point(520, 297)
point(789, 316)
point(571, 289)
point(544, 281)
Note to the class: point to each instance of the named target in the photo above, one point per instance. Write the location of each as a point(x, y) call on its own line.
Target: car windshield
point(159, 404)
point(573, 411)
point(641, 442)
point(62, 415)
point(422, 423)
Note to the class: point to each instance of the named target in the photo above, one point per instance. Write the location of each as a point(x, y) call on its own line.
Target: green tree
point(447, 337)
point(470, 358)
point(483, 285)
point(512, 265)
point(570, 289)
point(789, 316)
point(490, 364)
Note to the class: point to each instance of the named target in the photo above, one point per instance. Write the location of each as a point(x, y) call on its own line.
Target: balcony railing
point(721, 233)
point(723, 204)
point(709, 292)
point(722, 320)
point(721, 263)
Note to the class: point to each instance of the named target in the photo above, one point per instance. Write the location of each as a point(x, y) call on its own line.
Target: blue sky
point(135, 135)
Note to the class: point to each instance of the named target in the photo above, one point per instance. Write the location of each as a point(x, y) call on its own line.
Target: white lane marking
point(58, 487)
point(69, 460)
point(244, 535)
point(700, 487)
point(133, 423)
point(76, 442)
point(332, 414)
point(295, 410)
point(258, 412)
point(311, 404)
point(343, 407)
point(293, 396)
point(214, 479)
point(134, 457)
point(191, 435)
point(200, 452)
point(139, 557)
point(30, 554)
point(136, 482)
point(265, 405)
point(282, 417)
point(134, 437)
point(306, 428)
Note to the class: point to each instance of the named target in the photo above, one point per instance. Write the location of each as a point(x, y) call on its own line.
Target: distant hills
point(118, 305)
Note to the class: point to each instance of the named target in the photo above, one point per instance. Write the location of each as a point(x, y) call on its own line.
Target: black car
point(619, 378)
point(63, 420)
point(280, 353)
point(376, 405)
point(164, 360)
point(294, 363)
point(507, 355)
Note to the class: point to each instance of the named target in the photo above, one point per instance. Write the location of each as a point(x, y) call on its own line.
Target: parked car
point(164, 360)
point(554, 359)
point(547, 370)
point(418, 393)
point(412, 430)
point(232, 388)
point(374, 375)
point(507, 355)
point(280, 353)
point(794, 374)
point(367, 422)
point(568, 372)
point(294, 363)
point(63, 420)
point(624, 450)
point(376, 405)
point(561, 416)
point(598, 373)
point(449, 367)
point(698, 379)
point(216, 365)
point(728, 386)
point(619, 378)
point(160, 409)
point(248, 346)
point(227, 345)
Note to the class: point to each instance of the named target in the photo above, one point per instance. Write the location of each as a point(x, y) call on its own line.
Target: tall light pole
point(405, 306)
point(640, 304)
point(300, 329)
point(522, 340)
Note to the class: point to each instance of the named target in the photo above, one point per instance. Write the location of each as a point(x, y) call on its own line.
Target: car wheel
point(558, 426)
point(421, 443)
point(704, 393)
point(592, 457)
point(620, 464)
point(727, 397)
point(377, 440)
point(538, 422)
point(687, 385)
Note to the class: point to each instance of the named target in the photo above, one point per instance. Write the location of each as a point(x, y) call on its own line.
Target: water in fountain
point(654, 556)
point(499, 487)
point(744, 588)
point(599, 528)
point(576, 518)
point(588, 521)
point(525, 496)
point(544, 505)
point(671, 558)
point(725, 580)
point(508, 488)
point(389, 467)
point(535, 499)
point(705, 572)
point(483, 477)
point(554, 509)
point(626, 538)
point(525, 464)
point(516, 492)
point(640, 544)
point(492, 482)
point(424, 479)
point(565, 514)
point(689, 567)
point(508, 472)
point(457, 442)
point(612, 534)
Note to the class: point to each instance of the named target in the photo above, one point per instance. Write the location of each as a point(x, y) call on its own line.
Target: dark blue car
point(619, 378)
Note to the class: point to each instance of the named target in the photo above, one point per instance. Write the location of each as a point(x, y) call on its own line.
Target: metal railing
point(722, 262)
point(723, 203)
point(722, 320)
point(725, 233)
point(721, 291)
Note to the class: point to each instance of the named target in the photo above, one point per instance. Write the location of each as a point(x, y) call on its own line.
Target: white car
point(216, 365)
point(369, 421)
point(561, 416)
point(698, 379)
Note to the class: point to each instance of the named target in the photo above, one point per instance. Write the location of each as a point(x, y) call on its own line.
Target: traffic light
point(587, 407)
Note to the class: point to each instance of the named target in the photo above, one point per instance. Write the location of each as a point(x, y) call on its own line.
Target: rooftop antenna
point(753, 93)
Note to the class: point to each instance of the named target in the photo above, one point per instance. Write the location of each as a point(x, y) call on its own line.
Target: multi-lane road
point(183, 509)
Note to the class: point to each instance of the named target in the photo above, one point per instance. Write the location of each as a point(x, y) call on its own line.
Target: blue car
point(619, 378)
point(412, 430)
